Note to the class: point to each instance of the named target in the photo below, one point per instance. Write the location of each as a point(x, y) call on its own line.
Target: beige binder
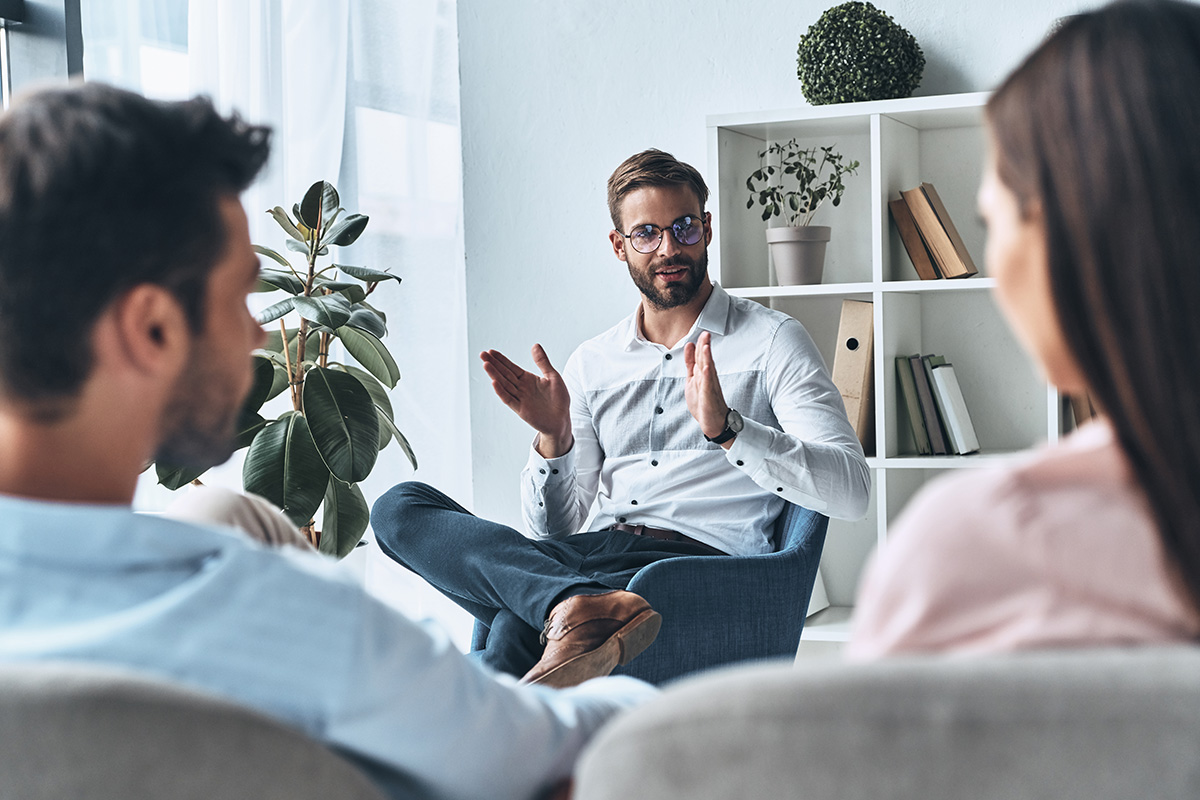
point(852, 368)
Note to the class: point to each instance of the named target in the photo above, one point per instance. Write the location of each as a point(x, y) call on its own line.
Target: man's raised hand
point(702, 391)
point(543, 402)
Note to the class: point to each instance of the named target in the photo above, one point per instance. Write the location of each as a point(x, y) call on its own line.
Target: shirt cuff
point(549, 471)
point(750, 446)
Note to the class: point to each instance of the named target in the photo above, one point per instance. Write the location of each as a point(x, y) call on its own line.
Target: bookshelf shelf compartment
point(900, 144)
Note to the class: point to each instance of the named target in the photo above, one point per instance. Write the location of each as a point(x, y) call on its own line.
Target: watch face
point(733, 421)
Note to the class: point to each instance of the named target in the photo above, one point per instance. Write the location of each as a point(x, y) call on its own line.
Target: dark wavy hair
point(1099, 129)
point(651, 168)
point(102, 190)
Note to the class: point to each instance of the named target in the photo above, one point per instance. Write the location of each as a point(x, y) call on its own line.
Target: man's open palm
point(542, 401)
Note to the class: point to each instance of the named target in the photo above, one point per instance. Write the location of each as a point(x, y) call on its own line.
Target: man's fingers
point(689, 358)
point(505, 396)
point(502, 362)
point(542, 361)
point(501, 376)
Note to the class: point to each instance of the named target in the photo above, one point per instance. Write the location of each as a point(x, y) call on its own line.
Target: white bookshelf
point(899, 144)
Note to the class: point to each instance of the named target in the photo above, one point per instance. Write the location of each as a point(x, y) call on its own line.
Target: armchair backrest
point(85, 730)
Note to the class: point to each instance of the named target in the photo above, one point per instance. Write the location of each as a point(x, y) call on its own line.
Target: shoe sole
point(620, 648)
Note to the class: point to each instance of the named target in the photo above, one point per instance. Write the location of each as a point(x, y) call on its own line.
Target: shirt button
point(633, 502)
point(654, 463)
point(554, 471)
point(658, 410)
point(780, 489)
point(620, 519)
point(540, 504)
point(542, 471)
point(668, 356)
point(741, 463)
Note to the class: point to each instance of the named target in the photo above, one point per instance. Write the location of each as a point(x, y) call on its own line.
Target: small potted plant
point(792, 182)
point(314, 454)
point(855, 52)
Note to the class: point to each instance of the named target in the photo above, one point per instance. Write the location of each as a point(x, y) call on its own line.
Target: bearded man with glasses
point(669, 453)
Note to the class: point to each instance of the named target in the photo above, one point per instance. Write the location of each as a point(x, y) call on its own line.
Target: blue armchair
point(723, 609)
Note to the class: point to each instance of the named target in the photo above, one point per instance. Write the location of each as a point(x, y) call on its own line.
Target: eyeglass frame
point(705, 218)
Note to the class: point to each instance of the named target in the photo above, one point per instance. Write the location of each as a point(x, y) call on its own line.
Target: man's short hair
point(102, 190)
point(651, 168)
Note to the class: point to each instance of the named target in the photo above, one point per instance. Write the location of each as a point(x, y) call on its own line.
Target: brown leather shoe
point(586, 637)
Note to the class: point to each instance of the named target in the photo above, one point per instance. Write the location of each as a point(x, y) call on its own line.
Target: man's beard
point(199, 424)
point(676, 293)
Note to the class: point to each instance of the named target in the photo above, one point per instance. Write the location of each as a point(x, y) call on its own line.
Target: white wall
point(547, 114)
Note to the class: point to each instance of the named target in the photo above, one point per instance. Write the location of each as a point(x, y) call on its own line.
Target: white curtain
point(364, 94)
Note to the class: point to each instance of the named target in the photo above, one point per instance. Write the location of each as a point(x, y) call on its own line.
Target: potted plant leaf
point(313, 455)
point(792, 182)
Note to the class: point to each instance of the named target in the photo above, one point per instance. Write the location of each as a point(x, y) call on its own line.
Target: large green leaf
point(331, 310)
point(296, 247)
point(286, 223)
point(271, 279)
point(275, 311)
point(347, 231)
point(368, 275)
point(319, 204)
point(371, 353)
point(175, 477)
point(379, 397)
point(260, 389)
point(343, 421)
point(401, 440)
point(344, 520)
point(354, 292)
point(283, 465)
point(271, 254)
point(248, 425)
point(279, 380)
point(367, 320)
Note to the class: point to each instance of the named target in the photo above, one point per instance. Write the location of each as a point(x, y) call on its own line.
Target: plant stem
point(287, 360)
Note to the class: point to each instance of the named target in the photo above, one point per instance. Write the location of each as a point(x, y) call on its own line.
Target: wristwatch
point(733, 426)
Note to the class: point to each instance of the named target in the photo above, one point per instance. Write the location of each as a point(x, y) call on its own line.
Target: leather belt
point(665, 535)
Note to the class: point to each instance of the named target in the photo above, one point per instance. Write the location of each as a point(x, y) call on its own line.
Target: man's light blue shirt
point(284, 632)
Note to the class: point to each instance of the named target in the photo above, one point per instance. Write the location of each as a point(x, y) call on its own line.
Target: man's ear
point(618, 244)
point(148, 328)
point(708, 228)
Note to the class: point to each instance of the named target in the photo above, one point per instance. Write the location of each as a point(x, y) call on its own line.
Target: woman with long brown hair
point(1091, 196)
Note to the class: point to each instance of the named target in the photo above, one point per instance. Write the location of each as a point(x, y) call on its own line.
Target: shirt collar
point(714, 318)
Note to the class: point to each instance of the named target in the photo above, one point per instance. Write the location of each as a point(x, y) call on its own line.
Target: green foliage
point(856, 52)
point(789, 182)
point(314, 455)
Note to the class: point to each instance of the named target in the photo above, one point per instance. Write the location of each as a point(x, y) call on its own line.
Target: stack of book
point(935, 406)
point(929, 235)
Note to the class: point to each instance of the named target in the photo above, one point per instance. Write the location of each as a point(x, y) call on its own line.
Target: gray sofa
point(102, 733)
point(1108, 724)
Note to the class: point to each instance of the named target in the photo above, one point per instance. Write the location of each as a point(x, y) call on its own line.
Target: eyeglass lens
point(686, 230)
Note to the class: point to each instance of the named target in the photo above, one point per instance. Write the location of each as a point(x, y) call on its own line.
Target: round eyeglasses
point(687, 230)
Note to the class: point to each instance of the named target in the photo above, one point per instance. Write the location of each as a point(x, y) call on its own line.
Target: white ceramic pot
point(798, 253)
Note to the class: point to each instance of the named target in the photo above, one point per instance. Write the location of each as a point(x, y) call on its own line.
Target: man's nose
point(669, 244)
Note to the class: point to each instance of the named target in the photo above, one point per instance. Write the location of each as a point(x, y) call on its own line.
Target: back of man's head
point(102, 190)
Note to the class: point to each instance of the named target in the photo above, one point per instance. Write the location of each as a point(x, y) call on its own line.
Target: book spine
point(937, 437)
point(912, 405)
point(932, 232)
point(958, 420)
point(966, 266)
point(914, 245)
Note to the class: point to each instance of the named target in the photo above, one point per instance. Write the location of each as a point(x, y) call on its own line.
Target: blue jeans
point(505, 580)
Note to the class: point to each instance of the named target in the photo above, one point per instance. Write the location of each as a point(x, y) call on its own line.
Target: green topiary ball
point(856, 52)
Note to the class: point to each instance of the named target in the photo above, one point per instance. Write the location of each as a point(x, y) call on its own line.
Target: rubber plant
point(313, 455)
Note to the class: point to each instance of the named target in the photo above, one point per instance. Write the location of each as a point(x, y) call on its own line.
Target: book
point(918, 254)
point(912, 405)
point(938, 232)
point(933, 426)
point(852, 368)
point(954, 410)
point(1082, 407)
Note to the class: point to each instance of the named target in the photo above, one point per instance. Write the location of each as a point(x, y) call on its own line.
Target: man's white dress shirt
point(640, 456)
